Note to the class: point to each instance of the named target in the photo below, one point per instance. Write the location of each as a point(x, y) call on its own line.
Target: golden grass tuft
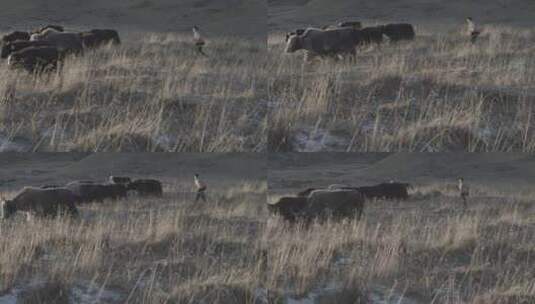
point(437, 93)
point(153, 93)
point(147, 250)
point(428, 249)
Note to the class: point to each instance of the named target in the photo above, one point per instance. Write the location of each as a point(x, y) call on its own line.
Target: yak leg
point(72, 210)
point(309, 56)
point(353, 56)
point(359, 213)
point(29, 216)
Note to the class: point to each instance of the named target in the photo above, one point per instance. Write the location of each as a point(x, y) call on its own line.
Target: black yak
point(15, 46)
point(93, 192)
point(400, 31)
point(41, 202)
point(67, 43)
point(396, 191)
point(99, 37)
point(290, 208)
point(372, 35)
point(146, 187)
point(35, 59)
point(336, 203)
point(306, 192)
point(14, 36)
point(319, 204)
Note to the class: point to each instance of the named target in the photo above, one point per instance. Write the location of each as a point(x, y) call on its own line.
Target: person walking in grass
point(198, 40)
point(463, 191)
point(471, 30)
point(201, 188)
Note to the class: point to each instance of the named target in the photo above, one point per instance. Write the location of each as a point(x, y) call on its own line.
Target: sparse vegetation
point(151, 250)
point(153, 93)
point(438, 93)
point(428, 250)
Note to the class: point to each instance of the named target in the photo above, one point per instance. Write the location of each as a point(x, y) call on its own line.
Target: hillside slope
point(497, 169)
point(220, 171)
point(430, 14)
point(213, 16)
point(509, 172)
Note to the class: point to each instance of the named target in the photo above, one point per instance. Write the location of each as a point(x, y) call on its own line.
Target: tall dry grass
point(437, 93)
point(427, 250)
point(153, 93)
point(144, 250)
point(172, 250)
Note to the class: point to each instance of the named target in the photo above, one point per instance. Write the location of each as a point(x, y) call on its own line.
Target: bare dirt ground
point(138, 250)
point(427, 249)
point(436, 93)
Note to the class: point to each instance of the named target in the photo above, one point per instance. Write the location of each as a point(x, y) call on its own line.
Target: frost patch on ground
point(87, 294)
point(314, 140)
point(368, 126)
point(312, 296)
point(486, 133)
point(165, 142)
point(261, 296)
point(375, 295)
point(7, 145)
point(8, 299)
point(308, 300)
point(383, 295)
point(80, 293)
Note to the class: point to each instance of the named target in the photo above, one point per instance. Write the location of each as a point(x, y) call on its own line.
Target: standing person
point(198, 40)
point(201, 188)
point(463, 191)
point(471, 29)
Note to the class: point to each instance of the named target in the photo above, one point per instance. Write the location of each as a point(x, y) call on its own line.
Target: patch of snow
point(273, 104)
point(81, 293)
point(485, 134)
point(332, 288)
point(376, 294)
point(367, 126)
point(343, 261)
point(7, 145)
point(165, 142)
point(9, 299)
point(261, 296)
point(383, 295)
point(316, 140)
point(311, 299)
point(88, 294)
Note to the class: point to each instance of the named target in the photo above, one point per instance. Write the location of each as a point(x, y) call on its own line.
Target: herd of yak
point(344, 38)
point(336, 201)
point(44, 48)
point(54, 200)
